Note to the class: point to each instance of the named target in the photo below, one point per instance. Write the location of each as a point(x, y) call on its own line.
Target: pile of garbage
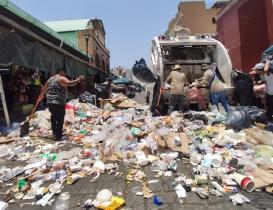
point(124, 132)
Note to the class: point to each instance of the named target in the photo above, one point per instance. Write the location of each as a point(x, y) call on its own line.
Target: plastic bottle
point(195, 158)
point(63, 202)
point(3, 151)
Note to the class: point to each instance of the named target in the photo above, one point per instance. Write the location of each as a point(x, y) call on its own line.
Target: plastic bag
point(238, 120)
point(264, 150)
point(259, 136)
point(142, 72)
point(194, 94)
point(87, 97)
point(229, 137)
point(253, 111)
point(102, 91)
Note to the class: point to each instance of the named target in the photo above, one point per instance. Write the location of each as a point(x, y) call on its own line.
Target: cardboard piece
point(126, 104)
point(168, 142)
point(137, 124)
point(106, 114)
point(4, 140)
point(102, 102)
point(263, 177)
point(257, 136)
point(184, 148)
point(160, 141)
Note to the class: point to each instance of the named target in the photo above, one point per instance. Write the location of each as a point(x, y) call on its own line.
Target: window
point(97, 61)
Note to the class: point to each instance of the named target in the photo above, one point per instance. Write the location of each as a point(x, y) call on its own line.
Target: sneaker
point(63, 138)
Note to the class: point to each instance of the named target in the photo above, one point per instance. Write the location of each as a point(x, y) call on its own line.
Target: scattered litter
point(180, 191)
point(157, 201)
point(63, 202)
point(239, 199)
point(88, 204)
point(244, 182)
point(122, 132)
point(105, 200)
point(45, 200)
point(201, 192)
point(3, 205)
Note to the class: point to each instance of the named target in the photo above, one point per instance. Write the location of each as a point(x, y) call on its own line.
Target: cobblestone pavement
point(85, 189)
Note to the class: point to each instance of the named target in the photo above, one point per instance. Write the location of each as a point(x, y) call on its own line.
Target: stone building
point(88, 35)
point(197, 16)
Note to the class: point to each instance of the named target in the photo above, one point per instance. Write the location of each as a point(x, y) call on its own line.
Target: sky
point(130, 24)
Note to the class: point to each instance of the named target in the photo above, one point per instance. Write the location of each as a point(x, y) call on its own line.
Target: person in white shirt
point(267, 77)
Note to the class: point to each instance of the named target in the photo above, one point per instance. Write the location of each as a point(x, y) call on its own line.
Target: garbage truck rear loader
point(190, 52)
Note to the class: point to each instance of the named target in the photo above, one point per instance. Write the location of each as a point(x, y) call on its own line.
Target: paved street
point(140, 97)
point(85, 189)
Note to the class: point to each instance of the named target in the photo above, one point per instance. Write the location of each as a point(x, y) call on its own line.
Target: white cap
point(259, 66)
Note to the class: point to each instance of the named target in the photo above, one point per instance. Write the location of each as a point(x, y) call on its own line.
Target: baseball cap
point(259, 66)
point(205, 66)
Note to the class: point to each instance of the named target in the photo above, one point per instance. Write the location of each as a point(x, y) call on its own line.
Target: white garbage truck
point(190, 52)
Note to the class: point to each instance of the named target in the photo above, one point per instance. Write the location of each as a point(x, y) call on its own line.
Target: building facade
point(245, 27)
point(88, 35)
point(196, 16)
point(122, 72)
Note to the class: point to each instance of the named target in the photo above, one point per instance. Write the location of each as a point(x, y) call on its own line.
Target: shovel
point(25, 126)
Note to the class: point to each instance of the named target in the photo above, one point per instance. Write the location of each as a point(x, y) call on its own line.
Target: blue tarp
point(121, 81)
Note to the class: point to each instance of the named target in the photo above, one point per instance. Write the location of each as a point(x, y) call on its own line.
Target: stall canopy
point(27, 42)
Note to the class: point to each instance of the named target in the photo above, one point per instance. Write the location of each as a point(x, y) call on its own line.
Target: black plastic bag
point(142, 72)
point(243, 84)
point(238, 120)
point(196, 116)
point(253, 111)
point(87, 97)
point(102, 91)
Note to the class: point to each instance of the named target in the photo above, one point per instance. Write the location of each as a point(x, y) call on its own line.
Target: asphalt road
point(85, 189)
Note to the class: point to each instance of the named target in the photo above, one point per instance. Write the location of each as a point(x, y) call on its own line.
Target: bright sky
point(130, 24)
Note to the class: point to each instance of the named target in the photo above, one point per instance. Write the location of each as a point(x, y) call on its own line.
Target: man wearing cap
point(259, 86)
point(110, 87)
point(215, 85)
point(178, 80)
point(56, 94)
point(267, 77)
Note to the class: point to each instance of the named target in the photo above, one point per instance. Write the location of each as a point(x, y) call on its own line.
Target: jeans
point(220, 97)
point(57, 119)
point(176, 103)
point(269, 105)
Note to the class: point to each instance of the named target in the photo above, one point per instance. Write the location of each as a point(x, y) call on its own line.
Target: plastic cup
point(73, 178)
point(244, 182)
point(248, 184)
point(216, 161)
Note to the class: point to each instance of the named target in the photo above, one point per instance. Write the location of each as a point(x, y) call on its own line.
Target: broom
point(25, 125)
